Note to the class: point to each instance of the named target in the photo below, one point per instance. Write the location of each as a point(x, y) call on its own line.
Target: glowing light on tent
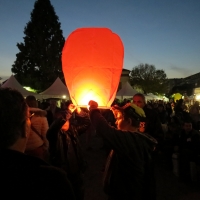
point(29, 89)
point(92, 61)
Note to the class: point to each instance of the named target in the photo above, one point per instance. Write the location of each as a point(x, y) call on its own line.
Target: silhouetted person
point(24, 176)
point(153, 123)
point(65, 149)
point(131, 174)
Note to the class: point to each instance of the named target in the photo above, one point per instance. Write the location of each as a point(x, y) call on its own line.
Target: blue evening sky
point(164, 33)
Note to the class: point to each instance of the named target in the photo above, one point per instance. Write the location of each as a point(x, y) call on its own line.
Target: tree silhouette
point(149, 79)
point(38, 63)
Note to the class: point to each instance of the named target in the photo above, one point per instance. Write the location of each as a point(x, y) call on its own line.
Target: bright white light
point(197, 97)
point(64, 96)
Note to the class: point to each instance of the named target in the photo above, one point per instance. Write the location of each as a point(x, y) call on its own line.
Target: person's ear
point(129, 121)
point(142, 127)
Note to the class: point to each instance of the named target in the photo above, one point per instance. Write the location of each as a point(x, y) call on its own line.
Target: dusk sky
point(164, 33)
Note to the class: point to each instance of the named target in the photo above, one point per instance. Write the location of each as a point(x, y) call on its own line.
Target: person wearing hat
point(129, 167)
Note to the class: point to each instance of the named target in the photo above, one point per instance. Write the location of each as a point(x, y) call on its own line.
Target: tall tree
point(38, 63)
point(149, 79)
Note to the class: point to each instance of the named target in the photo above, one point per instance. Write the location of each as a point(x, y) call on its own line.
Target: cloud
point(182, 71)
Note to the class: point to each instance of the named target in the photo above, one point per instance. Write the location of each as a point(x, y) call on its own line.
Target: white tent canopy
point(151, 96)
point(14, 84)
point(56, 90)
point(165, 99)
point(126, 91)
point(148, 97)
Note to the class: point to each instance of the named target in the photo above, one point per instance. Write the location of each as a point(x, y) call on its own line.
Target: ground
point(169, 186)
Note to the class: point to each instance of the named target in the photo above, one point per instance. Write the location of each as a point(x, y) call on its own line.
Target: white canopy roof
point(56, 90)
point(126, 91)
point(151, 96)
point(14, 84)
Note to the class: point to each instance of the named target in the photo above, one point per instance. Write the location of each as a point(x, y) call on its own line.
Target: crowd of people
point(176, 127)
point(41, 151)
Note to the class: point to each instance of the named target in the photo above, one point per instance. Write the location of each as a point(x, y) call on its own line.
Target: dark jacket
point(162, 116)
point(153, 123)
point(133, 177)
point(64, 147)
point(189, 144)
point(26, 177)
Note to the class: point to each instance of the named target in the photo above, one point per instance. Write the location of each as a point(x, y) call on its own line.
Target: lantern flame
point(85, 96)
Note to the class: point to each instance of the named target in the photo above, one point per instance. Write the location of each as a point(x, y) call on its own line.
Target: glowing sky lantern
point(92, 61)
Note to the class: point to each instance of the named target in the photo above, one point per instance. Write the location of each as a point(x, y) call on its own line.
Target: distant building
point(124, 77)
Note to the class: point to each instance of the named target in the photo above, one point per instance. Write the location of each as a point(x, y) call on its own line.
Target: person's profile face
point(187, 127)
point(139, 101)
point(120, 122)
point(160, 108)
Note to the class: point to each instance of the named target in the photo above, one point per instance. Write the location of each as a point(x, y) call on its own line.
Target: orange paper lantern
point(92, 61)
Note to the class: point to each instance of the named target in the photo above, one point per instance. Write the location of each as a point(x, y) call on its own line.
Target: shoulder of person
point(38, 111)
point(54, 180)
point(196, 133)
